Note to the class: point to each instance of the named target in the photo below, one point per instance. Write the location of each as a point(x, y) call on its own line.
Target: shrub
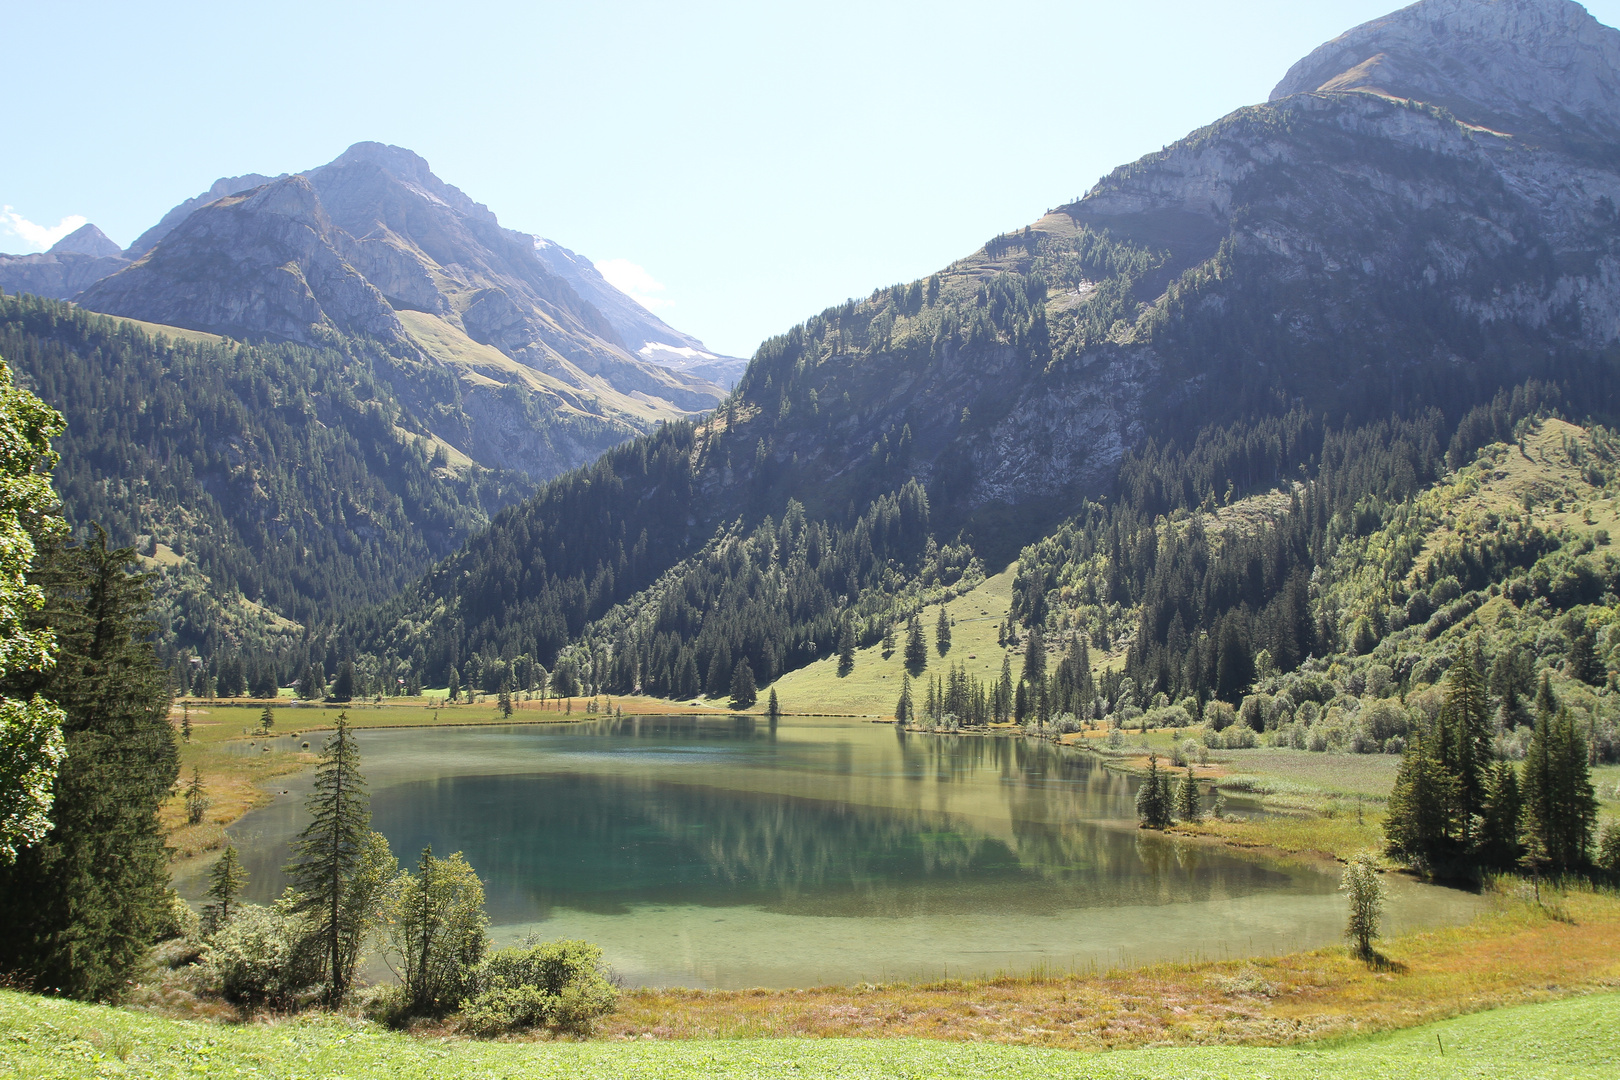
point(1365, 892)
point(178, 920)
point(1609, 848)
point(1384, 720)
point(1169, 716)
point(264, 956)
point(561, 985)
point(1186, 752)
point(436, 927)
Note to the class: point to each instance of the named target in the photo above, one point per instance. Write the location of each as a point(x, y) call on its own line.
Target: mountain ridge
point(1339, 252)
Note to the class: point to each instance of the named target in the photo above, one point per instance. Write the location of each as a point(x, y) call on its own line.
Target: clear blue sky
point(759, 161)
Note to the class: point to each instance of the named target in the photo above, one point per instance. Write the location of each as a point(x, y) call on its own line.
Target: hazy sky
point(741, 165)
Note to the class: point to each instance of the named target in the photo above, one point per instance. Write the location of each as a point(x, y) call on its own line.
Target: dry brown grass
point(1517, 954)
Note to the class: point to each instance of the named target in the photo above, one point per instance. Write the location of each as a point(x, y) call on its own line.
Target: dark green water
point(721, 852)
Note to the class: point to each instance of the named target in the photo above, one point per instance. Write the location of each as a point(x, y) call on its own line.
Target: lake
point(725, 852)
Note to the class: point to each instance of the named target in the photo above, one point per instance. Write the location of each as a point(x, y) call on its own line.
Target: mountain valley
point(1342, 253)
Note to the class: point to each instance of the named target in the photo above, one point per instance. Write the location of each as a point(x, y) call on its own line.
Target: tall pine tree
point(1465, 720)
point(1560, 806)
point(81, 907)
point(1422, 821)
point(916, 648)
point(330, 855)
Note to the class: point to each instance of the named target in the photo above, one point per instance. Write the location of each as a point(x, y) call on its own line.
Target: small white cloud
point(38, 237)
point(634, 282)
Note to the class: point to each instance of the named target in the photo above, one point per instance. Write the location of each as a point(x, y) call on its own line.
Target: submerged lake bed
point(728, 852)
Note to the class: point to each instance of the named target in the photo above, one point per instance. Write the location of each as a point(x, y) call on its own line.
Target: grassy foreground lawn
point(1576, 1038)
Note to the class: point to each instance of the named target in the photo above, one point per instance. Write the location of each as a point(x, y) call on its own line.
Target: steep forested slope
point(270, 486)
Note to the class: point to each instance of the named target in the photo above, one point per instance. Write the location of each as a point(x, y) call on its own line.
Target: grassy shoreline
point(1504, 980)
point(1518, 953)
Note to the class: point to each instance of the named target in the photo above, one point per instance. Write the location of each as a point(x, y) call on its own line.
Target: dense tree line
point(1458, 807)
point(777, 598)
point(1215, 606)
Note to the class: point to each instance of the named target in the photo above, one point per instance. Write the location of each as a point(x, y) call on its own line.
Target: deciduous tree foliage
point(436, 929)
point(31, 730)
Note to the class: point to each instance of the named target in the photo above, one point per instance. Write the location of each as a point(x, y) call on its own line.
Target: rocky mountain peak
point(290, 197)
point(1529, 67)
point(87, 240)
point(225, 185)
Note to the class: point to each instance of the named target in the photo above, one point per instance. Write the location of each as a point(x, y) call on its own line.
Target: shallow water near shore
point(727, 852)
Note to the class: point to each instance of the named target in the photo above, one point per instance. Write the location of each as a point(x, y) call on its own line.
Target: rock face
point(346, 248)
point(1359, 244)
point(1544, 68)
point(59, 273)
point(87, 240)
point(1353, 246)
point(228, 185)
point(261, 264)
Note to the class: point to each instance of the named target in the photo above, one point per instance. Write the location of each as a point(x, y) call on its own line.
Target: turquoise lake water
point(724, 852)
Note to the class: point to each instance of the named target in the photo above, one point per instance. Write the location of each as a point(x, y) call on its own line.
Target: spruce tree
point(1583, 662)
point(197, 801)
point(1034, 659)
point(1187, 807)
point(888, 639)
point(1560, 806)
point(773, 709)
point(329, 853)
point(267, 719)
point(903, 710)
point(1497, 842)
point(1422, 805)
point(1004, 691)
point(81, 907)
point(226, 881)
point(916, 648)
point(343, 685)
point(743, 691)
point(1465, 721)
point(942, 632)
point(1153, 802)
point(846, 647)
